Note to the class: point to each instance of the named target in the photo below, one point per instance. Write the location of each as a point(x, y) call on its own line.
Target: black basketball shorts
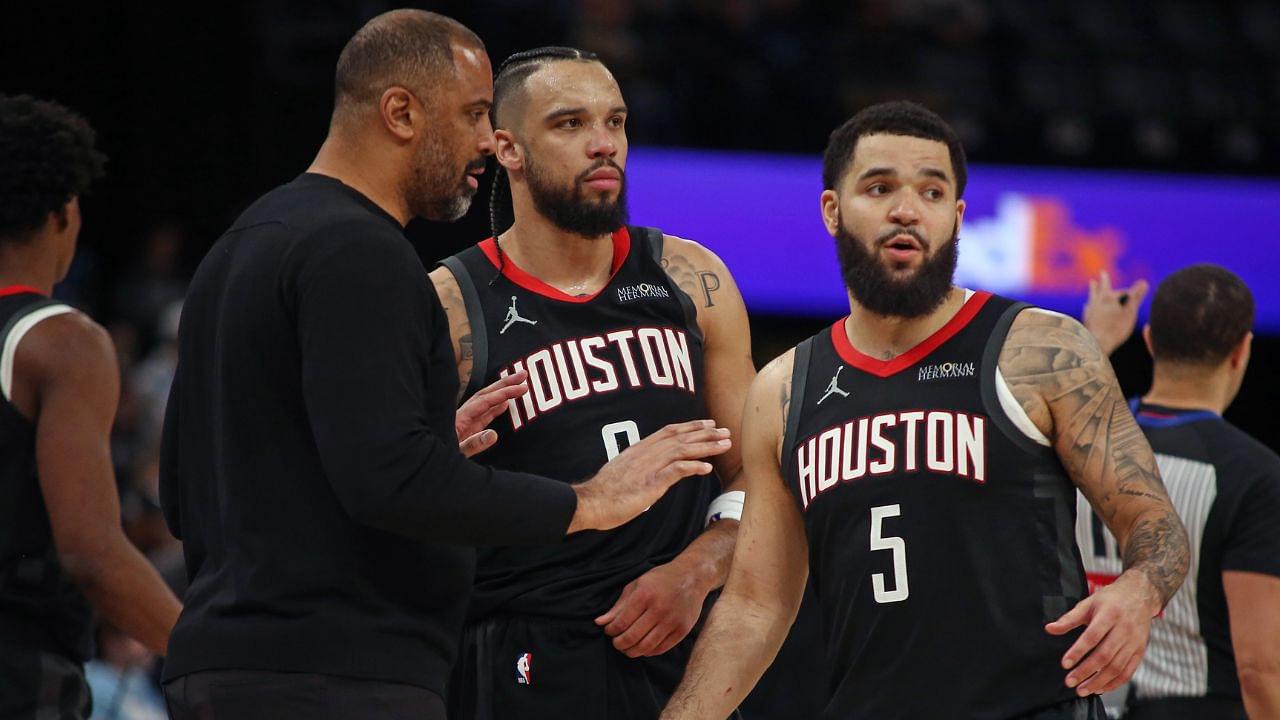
point(524, 668)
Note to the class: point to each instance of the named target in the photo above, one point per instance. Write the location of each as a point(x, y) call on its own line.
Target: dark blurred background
point(202, 107)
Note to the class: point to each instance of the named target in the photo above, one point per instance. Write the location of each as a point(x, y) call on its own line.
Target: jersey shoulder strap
point(475, 316)
point(13, 331)
point(799, 383)
point(654, 239)
point(990, 386)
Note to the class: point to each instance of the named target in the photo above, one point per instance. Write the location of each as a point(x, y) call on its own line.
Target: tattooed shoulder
point(774, 381)
point(1044, 354)
point(693, 268)
point(459, 324)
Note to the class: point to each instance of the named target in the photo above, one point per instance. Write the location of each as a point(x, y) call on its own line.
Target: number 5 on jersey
point(895, 545)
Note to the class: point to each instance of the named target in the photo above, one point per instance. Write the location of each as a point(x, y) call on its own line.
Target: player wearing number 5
point(619, 331)
point(924, 456)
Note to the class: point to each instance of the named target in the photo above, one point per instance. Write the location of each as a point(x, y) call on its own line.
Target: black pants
point(263, 695)
point(39, 685)
point(520, 668)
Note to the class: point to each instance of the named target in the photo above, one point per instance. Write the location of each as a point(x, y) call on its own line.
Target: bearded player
point(618, 330)
point(934, 495)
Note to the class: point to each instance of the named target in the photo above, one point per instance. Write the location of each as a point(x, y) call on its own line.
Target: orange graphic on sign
point(1065, 257)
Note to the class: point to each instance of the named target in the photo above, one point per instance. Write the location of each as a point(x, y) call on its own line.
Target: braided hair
point(511, 75)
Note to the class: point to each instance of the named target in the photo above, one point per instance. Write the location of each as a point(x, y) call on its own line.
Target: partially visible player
point(923, 453)
point(1215, 652)
point(620, 330)
point(63, 552)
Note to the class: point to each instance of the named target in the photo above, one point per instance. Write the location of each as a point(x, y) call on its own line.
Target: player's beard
point(569, 208)
point(874, 288)
point(437, 189)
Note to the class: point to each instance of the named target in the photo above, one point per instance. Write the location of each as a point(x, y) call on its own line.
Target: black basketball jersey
point(604, 371)
point(40, 609)
point(1226, 488)
point(940, 535)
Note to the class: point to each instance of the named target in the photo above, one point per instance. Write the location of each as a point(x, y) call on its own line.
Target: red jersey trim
point(18, 289)
point(885, 368)
point(517, 275)
point(1097, 581)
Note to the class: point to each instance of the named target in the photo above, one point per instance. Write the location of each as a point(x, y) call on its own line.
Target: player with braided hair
point(619, 330)
point(511, 74)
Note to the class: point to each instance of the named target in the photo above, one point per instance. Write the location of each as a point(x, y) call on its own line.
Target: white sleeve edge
point(21, 328)
point(1014, 410)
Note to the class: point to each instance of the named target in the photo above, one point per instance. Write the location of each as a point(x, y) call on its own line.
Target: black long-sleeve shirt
point(309, 461)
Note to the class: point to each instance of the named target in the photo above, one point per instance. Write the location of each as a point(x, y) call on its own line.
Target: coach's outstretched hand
point(634, 480)
point(480, 409)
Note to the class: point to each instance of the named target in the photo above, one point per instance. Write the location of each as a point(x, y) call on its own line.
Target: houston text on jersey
point(939, 440)
point(570, 370)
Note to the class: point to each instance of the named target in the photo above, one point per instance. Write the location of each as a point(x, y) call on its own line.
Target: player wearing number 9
point(617, 331)
point(924, 455)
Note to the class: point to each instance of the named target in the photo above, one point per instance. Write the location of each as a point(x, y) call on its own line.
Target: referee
point(1215, 652)
point(310, 461)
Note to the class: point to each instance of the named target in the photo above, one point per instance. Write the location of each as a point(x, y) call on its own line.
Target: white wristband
point(726, 507)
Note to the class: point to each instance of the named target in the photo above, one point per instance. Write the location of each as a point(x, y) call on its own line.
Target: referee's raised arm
point(310, 462)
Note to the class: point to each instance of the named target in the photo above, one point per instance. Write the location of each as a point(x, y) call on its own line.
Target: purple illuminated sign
point(1034, 234)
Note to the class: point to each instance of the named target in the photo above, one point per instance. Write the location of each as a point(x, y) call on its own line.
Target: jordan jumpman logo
point(513, 317)
point(833, 388)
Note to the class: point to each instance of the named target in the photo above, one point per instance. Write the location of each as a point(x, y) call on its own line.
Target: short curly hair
point(1199, 315)
point(898, 117)
point(46, 159)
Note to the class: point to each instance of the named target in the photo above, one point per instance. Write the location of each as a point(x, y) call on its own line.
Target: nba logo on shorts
point(524, 666)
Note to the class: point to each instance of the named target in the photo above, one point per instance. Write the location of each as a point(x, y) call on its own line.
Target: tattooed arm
point(1065, 384)
point(480, 409)
point(459, 324)
point(722, 318)
point(658, 609)
point(751, 619)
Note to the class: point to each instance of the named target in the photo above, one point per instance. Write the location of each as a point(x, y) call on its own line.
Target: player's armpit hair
point(1053, 365)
